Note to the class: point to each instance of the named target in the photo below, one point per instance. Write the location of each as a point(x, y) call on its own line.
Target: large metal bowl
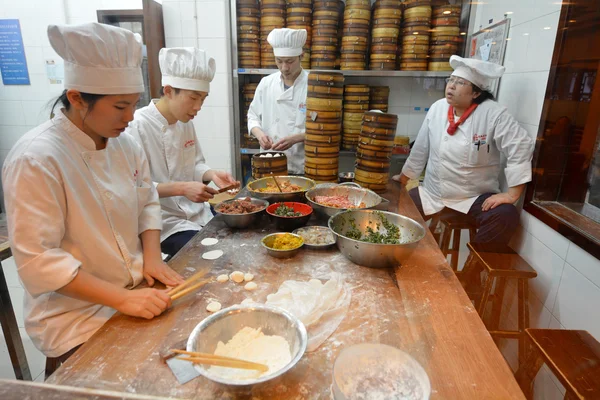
point(239, 221)
point(276, 197)
point(374, 255)
point(223, 325)
point(355, 194)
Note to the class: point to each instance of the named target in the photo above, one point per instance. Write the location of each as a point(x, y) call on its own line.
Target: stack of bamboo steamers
point(387, 16)
point(326, 15)
point(375, 145)
point(445, 36)
point(272, 16)
point(299, 16)
point(356, 102)
point(248, 27)
point(357, 17)
point(323, 125)
point(415, 35)
point(250, 141)
point(379, 96)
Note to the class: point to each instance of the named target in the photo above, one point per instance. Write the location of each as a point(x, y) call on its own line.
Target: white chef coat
point(281, 113)
point(73, 207)
point(459, 171)
point(174, 155)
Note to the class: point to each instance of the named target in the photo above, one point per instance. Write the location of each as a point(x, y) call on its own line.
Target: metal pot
point(276, 197)
point(239, 221)
point(375, 255)
point(354, 192)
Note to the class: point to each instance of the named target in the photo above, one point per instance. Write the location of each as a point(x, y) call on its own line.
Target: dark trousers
point(493, 226)
point(176, 241)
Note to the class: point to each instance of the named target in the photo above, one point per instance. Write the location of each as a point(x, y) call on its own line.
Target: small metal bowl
point(326, 229)
point(223, 325)
point(345, 177)
point(267, 243)
point(240, 221)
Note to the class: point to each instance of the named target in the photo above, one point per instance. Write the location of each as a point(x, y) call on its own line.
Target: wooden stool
point(501, 263)
point(452, 226)
point(572, 356)
point(10, 328)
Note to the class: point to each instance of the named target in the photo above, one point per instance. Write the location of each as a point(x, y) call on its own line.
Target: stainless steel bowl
point(267, 243)
point(239, 221)
point(323, 229)
point(223, 325)
point(276, 197)
point(355, 194)
point(374, 255)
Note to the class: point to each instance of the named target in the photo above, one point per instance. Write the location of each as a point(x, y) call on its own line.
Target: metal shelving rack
point(241, 76)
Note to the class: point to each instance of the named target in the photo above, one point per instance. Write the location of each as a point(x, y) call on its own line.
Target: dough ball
point(247, 301)
point(212, 255)
point(213, 306)
point(248, 277)
point(237, 276)
point(251, 286)
point(222, 278)
point(209, 241)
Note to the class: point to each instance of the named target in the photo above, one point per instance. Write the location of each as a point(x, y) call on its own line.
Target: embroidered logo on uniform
point(189, 143)
point(479, 139)
point(135, 174)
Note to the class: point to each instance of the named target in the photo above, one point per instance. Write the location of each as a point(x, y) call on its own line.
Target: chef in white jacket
point(277, 115)
point(461, 141)
point(83, 215)
point(165, 130)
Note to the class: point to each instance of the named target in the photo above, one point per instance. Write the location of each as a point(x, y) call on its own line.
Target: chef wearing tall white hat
point(165, 130)
point(462, 141)
point(277, 114)
point(83, 216)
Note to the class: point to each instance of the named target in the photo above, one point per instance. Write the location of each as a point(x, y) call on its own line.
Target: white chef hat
point(99, 58)
point(478, 72)
point(186, 68)
point(287, 42)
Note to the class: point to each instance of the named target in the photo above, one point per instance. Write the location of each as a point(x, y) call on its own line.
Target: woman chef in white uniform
point(461, 142)
point(277, 114)
point(83, 216)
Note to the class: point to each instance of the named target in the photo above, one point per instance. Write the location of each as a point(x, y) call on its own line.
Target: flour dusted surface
point(252, 345)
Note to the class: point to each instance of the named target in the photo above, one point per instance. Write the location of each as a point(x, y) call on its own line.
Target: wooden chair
point(501, 263)
point(10, 328)
point(452, 225)
point(572, 356)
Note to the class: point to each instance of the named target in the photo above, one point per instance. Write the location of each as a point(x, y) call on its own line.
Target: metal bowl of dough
point(274, 196)
point(223, 325)
point(354, 193)
point(375, 255)
point(240, 221)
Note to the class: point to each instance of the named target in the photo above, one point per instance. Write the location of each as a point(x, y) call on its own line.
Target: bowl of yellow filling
point(282, 245)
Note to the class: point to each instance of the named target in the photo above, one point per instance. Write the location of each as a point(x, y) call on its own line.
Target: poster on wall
point(13, 64)
point(489, 44)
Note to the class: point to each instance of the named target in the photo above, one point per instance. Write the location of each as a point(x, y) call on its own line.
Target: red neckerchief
point(454, 125)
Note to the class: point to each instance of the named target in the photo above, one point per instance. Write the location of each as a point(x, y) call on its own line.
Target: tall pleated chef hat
point(478, 72)
point(186, 68)
point(99, 58)
point(287, 42)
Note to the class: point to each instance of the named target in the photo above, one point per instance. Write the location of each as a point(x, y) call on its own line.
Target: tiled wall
point(24, 107)
point(205, 24)
point(567, 289)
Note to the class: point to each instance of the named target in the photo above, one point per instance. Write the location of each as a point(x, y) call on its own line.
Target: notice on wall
point(13, 64)
point(55, 72)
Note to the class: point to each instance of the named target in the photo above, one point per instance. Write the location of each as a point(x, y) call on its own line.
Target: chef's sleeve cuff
point(252, 125)
point(48, 272)
point(518, 174)
point(410, 173)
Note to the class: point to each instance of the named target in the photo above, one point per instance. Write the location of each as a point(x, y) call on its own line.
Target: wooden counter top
point(419, 308)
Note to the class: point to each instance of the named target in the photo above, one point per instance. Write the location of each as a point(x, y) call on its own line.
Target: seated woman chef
point(83, 216)
point(461, 141)
point(277, 114)
point(165, 130)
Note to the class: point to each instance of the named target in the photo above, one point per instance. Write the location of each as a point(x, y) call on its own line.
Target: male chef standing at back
point(277, 114)
point(165, 130)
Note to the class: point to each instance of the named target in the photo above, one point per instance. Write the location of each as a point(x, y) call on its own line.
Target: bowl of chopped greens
point(375, 239)
point(289, 215)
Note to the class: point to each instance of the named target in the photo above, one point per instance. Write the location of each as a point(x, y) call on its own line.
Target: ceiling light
point(508, 12)
point(415, 33)
point(572, 21)
point(447, 12)
point(463, 33)
point(547, 28)
point(526, 34)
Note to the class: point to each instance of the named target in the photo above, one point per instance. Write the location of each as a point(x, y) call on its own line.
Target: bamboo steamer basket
point(316, 115)
point(320, 149)
point(386, 23)
point(447, 11)
point(328, 139)
point(416, 3)
point(372, 187)
point(321, 172)
point(384, 49)
point(357, 99)
point(352, 13)
point(366, 153)
point(332, 160)
point(356, 89)
point(348, 66)
point(259, 173)
point(418, 12)
point(362, 175)
point(422, 40)
point(375, 142)
point(445, 31)
point(324, 104)
point(316, 64)
point(326, 49)
point(380, 118)
point(385, 32)
point(353, 117)
point(439, 66)
point(360, 162)
point(266, 166)
point(445, 21)
point(352, 107)
point(316, 126)
point(413, 66)
point(387, 13)
point(326, 78)
point(329, 90)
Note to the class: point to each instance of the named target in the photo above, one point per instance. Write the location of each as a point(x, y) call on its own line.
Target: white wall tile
point(577, 302)
point(10, 134)
point(220, 94)
point(552, 239)
point(211, 20)
point(188, 19)
point(516, 49)
point(11, 113)
point(403, 114)
point(189, 42)
point(172, 19)
point(220, 50)
point(77, 9)
point(36, 112)
point(555, 323)
point(399, 91)
point(173, 41)
point(212, 123)
point(31, 31)
point(415, 121)
point(425, 91)
point(531, 97)
point(121, 4)
point(509, 93)
point(35, 59)
point(584, 262)
point(541, 43)
point(548, 266)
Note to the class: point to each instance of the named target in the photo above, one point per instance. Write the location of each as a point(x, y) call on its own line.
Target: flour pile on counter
point(321, 307)
point(252, 345)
